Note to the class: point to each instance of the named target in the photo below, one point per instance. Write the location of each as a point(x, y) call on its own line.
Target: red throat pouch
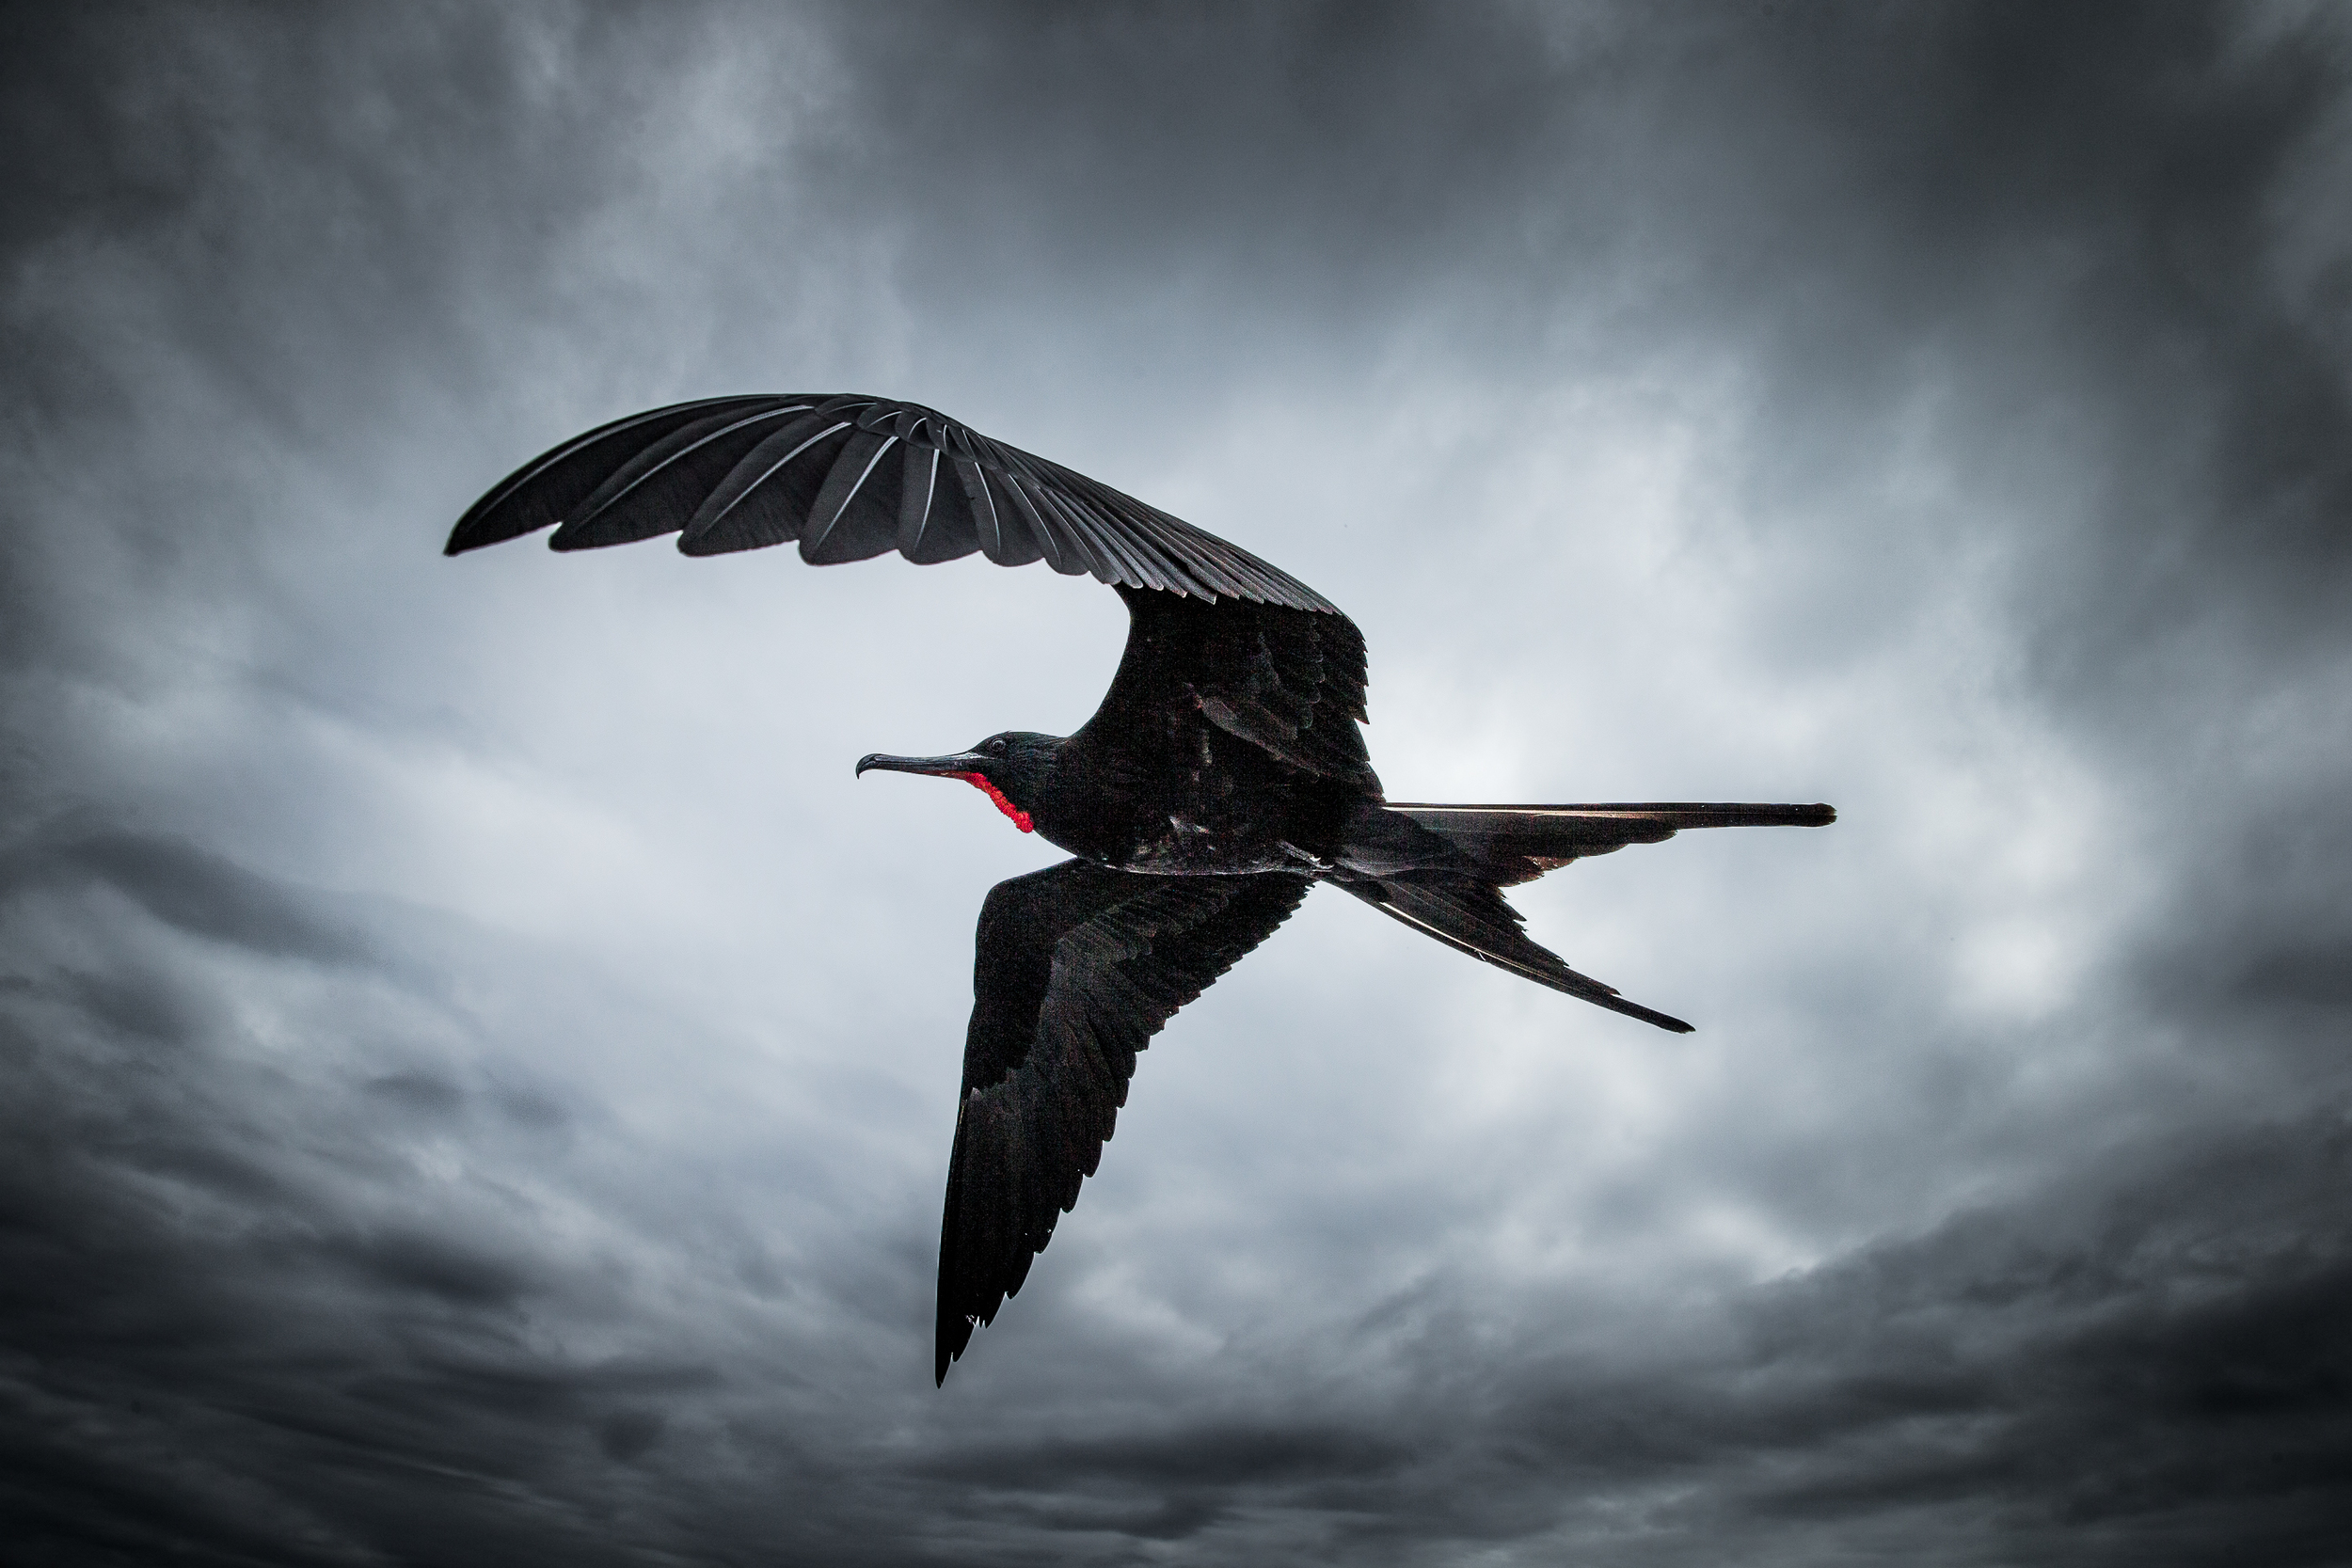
point(1019, 817)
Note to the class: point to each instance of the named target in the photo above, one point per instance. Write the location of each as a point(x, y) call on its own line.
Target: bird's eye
point(995, 747)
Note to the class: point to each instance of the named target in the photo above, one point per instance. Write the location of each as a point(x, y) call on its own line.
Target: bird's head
point(1010, 767)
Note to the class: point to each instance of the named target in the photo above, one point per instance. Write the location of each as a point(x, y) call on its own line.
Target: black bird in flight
point(1222, 777)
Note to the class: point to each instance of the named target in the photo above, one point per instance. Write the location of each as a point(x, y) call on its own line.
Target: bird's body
point(1165, 779)
point(1223, 776)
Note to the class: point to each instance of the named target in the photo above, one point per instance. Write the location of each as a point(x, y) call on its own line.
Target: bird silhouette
point(1222, 777)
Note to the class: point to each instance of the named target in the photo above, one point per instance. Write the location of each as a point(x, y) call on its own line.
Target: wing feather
point(852, 519)
point(1077, 968)
point(544, 490)
point(1289, 682)
point(918, 486)
point(1083, 549)
point(659, 490)
point(766, 499)
point(952, 532)
point(1110, 543)
point(1015, 546)
point(748, 472)
point(1061, 553)
point(753, 484)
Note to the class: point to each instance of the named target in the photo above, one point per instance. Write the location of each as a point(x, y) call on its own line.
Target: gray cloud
point(475, 1072)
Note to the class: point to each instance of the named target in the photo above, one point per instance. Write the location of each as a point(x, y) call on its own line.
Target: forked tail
point(1521, 843)
point(1471, 916)
point(1441, 869)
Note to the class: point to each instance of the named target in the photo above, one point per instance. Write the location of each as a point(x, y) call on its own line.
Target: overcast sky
point(476, 1069)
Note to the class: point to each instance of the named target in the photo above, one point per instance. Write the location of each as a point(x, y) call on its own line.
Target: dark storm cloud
point(330, 1237)
point(187, 887)
point(2132, 192)
point(195, 1301)
point(166, 231)
point(2150, 1361)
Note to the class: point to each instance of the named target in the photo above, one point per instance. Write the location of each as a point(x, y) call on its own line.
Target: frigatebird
point(1223, 776)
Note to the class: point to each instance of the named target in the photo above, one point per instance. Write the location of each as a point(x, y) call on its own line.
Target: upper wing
point(852, 476)
point(1289, 682)
point(1079, 967)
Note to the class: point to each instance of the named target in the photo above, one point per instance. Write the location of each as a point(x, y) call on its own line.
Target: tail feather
point(1517, 843)
point(1471, 916)
point(1442, 870)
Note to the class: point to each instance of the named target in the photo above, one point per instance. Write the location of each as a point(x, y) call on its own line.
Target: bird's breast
point(1188, 847)
point(1190, 802)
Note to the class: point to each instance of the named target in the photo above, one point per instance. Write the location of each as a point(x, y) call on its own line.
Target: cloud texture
point(476, 1071)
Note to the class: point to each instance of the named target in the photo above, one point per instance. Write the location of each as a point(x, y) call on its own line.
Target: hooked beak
point(970, 766)
point(948, 767)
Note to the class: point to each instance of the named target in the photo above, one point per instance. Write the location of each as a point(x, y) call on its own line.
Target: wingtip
point(947, 1344)
point(1647, 1015)
point(477, 530)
